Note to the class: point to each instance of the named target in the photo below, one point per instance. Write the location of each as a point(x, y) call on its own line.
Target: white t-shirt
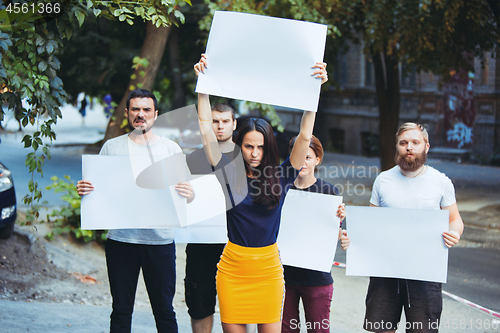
point(122, 145)
point(432, 190)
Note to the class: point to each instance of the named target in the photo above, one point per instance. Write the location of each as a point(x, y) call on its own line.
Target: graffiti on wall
point(459, 110)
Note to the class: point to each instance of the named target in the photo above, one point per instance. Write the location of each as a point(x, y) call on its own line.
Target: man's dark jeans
point(124, 261)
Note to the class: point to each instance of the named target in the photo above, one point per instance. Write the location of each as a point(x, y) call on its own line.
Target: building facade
point(462, 116)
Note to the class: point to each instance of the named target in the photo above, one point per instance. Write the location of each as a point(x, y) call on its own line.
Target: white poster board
point(211, 231)
point(397, 243)
point(263, 59)
point(309, 230)
point(124, 198)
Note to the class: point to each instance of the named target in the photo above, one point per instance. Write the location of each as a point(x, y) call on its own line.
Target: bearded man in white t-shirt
point(412, 185)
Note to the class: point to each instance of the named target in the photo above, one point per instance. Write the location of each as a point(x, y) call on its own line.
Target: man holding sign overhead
point(411, 185)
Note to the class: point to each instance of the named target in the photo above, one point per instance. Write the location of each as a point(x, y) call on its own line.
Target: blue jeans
point(124, 261)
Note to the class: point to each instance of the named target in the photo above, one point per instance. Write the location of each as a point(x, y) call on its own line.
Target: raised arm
point(210, 143)
point(301, 146)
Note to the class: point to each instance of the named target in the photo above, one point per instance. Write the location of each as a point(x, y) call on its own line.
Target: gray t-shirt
point(122, 145)
point(432, 190)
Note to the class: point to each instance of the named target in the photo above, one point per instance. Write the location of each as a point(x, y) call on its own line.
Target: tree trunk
point(152, 50)
point(389, 101)
point(175, 65)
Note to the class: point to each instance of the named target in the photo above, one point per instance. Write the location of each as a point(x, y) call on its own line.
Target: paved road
point(64, 161)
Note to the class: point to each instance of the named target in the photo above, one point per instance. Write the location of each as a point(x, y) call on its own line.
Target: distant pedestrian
point(83, 108)
point(411, 185)
point(108, 107)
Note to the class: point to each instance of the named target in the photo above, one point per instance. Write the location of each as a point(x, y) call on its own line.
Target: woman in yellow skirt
point(250, 283)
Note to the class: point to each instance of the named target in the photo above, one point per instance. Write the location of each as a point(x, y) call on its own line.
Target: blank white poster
point(117, 202)
point(397, 243)
point(263, 59)
point(309, 230)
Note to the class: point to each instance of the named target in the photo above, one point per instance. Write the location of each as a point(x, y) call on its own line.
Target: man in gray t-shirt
point(129, 250)
point(411, 185)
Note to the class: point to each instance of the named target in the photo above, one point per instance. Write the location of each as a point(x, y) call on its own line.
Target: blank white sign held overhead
point(397, 243)
point(263, 59)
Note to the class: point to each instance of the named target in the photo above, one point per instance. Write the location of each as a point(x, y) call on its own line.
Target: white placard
point(209, 203)
point(309, 230)
point(206, 232)
point(117, 202)
point(263, 59)
point(122, 201)
point(397, 243)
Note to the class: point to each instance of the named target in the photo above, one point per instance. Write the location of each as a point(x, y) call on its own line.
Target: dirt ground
point(29, 270)
point(28, 273)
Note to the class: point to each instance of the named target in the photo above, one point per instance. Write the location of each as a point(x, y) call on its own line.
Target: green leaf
point(50, 46)
point(46, 151)
point(180, 16)
point(80, 16)
point(68, 32)
point(97, 11)
point(139, 11)
point(42, 66)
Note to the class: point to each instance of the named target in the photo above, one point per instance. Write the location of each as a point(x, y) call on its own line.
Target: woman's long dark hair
point(269, 194)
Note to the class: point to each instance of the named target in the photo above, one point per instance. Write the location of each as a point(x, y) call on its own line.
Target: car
point(8, 206)
point(190, 137)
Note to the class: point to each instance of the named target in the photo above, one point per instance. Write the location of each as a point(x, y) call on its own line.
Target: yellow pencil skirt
point(250, 285)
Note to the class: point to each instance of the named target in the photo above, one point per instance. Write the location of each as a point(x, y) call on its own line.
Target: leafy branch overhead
point(30, 40)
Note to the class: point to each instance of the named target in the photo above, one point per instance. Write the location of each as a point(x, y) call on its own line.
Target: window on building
point(340, 69)
point(337, 140)
point(370, 144)
point(369, 73)
point(408, 76)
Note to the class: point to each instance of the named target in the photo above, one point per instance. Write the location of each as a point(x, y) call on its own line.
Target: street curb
point(481, 235)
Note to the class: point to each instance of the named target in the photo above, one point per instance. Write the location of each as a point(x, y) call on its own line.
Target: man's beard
point(139, 129)
point(413, 164)
point(225, 138)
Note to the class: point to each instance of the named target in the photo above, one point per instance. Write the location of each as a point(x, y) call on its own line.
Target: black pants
point(422, 302)
point(199, 284)
point(124, 261)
